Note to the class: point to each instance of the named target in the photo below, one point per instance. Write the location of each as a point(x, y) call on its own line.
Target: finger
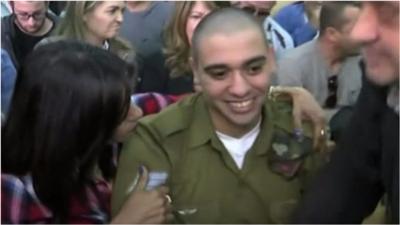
point(169, 217)
point(143, 178)
point(163, 190)
point(158, 214)
point(319, 135)
point(297, 117)
point(160, 219)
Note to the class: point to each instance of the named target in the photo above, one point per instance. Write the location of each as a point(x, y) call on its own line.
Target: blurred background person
point(277, 36)
point(328, 67)
point(143, 26)
point(300, 19)
point(28, 24)
point(365, 165)
point(96, 23)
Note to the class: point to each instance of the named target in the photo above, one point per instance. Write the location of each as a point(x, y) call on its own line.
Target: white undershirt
point(238, 147)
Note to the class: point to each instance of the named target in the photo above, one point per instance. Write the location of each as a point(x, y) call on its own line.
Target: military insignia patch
point(287, 153)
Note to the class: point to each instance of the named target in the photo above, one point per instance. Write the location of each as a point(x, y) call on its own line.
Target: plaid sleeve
point(19, 203)
point(151, 103)
point(95, 209)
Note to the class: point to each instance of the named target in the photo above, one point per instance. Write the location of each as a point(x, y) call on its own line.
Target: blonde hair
point(72, 25)
point(177, 46)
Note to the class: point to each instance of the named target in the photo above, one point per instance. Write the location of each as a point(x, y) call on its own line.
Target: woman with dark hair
point(71, 101)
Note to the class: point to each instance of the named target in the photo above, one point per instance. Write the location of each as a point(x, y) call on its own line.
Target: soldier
point(228, 151)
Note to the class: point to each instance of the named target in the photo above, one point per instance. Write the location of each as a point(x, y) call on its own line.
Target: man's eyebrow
point(246, 63)
point(214, 67)
point(255, 60)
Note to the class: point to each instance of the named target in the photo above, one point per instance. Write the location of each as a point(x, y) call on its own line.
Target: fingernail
point(141, 169)
point(298, 134)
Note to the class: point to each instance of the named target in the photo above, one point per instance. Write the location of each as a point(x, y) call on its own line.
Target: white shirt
point(238, 147)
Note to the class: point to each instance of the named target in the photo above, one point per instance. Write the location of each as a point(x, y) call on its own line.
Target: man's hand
point(305, 107)
point(150, 207)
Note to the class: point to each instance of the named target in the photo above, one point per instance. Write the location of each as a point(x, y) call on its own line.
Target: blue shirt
point(8, 77)
point(294, 20)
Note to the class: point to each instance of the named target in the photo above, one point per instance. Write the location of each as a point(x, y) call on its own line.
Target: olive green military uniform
point(205, 184)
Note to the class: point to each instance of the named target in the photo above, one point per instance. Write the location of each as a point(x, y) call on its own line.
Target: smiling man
point(228, 150)
point(365, 165)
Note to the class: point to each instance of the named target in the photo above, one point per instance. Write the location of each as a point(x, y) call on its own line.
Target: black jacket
point(8, 35)
point(363, 168)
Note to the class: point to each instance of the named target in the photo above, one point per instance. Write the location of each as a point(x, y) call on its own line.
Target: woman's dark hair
point(69, 98)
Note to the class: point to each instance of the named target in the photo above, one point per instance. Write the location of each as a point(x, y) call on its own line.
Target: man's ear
point(195, 71)
point(193, 65)
point(332, 34)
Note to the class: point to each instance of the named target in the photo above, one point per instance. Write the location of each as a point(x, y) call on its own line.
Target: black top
point(363, 168)
point(9, 41)
point(24, 43)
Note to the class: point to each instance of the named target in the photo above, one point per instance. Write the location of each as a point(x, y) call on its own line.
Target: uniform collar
point(202, 131)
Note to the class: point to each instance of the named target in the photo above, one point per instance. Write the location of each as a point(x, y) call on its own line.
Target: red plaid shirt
point(151, 103)
point(20, 204)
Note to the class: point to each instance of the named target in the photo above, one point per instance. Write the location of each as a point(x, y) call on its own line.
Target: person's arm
point(142, 149)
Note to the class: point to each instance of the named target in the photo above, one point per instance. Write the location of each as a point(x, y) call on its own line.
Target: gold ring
point(169, 200)
point(322, 132)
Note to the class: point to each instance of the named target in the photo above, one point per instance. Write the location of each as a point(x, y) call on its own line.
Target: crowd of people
point(199, 111)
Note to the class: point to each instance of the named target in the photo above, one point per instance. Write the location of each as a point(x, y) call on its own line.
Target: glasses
point(256, 12)
point(331, 100)
point(26, 16)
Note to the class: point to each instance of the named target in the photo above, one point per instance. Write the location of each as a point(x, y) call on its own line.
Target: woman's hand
point(142, 206)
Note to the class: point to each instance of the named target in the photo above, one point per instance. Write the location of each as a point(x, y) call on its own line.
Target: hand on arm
point(145, 207)
point(305, 107)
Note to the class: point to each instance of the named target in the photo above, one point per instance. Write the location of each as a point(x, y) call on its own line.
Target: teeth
point(241, 104)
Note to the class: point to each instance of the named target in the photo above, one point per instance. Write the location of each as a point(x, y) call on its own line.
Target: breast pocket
point(200, 212)
point(193, 204)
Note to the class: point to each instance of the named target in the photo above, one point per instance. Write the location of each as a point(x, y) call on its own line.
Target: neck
point(138, 6)
point(232, 130)
point(96, 41)
point(331, 53)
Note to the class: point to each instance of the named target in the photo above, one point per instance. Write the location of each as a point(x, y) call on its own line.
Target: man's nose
point(120, 17)
point(366, 27)
point(31, 21)
point(239, 85)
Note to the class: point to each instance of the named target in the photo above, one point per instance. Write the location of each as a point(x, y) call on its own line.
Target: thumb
point(143, 178)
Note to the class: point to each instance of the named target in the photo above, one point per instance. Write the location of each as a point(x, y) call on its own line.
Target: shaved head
point(225, 21)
